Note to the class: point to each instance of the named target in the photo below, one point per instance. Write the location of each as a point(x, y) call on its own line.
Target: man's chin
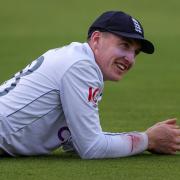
point(115, 78)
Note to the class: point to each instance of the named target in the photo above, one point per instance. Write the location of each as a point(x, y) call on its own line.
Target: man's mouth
point(122, 66)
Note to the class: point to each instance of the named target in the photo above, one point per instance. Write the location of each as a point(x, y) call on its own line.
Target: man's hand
point(164, 137)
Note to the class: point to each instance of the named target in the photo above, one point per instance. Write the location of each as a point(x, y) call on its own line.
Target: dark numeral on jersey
point(11, 83)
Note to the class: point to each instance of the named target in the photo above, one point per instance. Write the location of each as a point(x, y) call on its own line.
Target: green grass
point(149, 93)
point(66, 166)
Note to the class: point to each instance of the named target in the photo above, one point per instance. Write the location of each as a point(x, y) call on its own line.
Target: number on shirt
point(11, 83)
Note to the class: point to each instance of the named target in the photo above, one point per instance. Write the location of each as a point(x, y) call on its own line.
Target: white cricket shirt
point(54, 102)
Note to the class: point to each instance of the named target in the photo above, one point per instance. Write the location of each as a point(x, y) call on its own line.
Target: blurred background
point(150, 92)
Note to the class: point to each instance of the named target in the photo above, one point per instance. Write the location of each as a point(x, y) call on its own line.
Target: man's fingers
point(169, 121)
point(164, 137)
point(176, 148)
point(177, 140)
point(174, 126)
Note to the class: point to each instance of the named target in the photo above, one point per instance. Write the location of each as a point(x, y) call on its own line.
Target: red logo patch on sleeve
point(94, 95)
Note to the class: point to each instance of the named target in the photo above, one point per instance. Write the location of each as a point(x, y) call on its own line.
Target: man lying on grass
point(53, 102)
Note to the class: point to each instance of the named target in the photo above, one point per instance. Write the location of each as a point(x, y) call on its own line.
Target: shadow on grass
point(55, 156)
point(72, 156)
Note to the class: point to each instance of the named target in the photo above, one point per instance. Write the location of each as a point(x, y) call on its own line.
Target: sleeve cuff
point(139, 142)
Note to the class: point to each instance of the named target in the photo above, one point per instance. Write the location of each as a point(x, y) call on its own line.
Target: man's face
point(115, 55)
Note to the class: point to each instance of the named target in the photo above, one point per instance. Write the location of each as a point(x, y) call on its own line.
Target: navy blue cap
point(122, 24)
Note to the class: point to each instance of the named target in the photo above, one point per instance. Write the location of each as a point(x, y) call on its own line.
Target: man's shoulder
point(75, 56)
point(75, 51)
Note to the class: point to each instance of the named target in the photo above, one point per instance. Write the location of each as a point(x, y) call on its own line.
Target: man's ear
point(95, 38)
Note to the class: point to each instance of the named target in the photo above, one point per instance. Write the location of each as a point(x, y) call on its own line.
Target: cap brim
point(146, 46)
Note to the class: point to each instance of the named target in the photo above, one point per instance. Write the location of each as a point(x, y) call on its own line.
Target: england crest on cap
point(137, 26)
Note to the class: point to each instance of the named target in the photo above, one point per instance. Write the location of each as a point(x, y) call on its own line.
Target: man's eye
point(125, 45)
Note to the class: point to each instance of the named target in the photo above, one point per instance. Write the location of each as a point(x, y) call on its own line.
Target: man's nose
point(130, 56)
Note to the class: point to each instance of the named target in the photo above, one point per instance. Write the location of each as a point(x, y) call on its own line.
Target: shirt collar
point(89, 50)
